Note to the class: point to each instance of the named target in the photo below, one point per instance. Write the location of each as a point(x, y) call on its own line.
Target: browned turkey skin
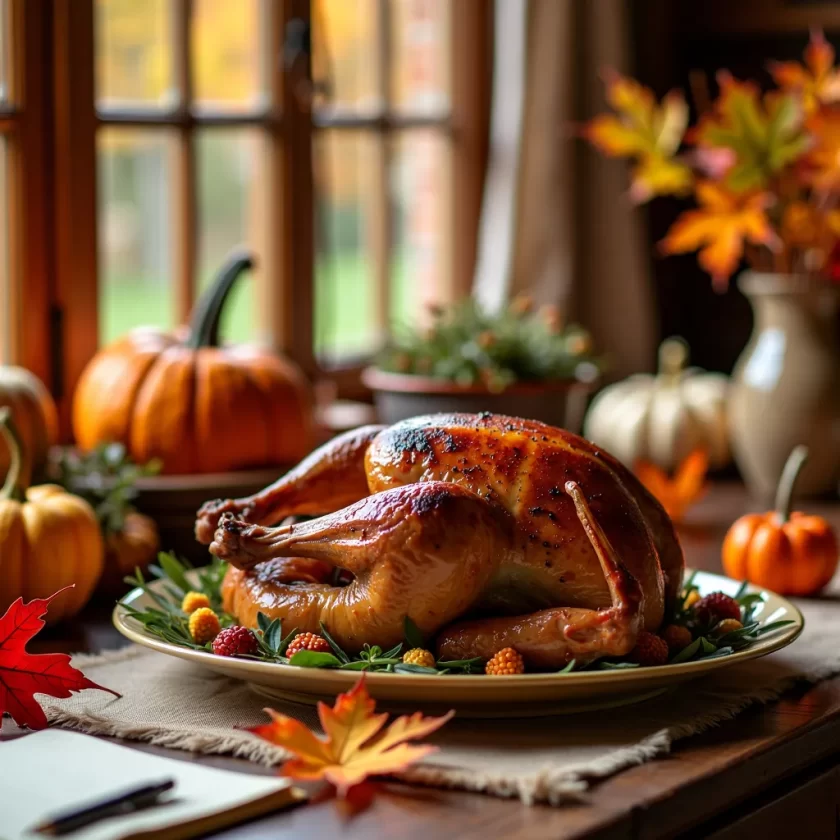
point(486, 530)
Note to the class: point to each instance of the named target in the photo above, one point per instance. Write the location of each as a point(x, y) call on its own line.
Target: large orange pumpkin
point(34, 415)
point(789, 553)
point(197, 406)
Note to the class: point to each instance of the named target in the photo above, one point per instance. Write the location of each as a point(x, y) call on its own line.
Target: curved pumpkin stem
point(673, 357)
point(784, 492)
point(204, 323)
point(17, 479)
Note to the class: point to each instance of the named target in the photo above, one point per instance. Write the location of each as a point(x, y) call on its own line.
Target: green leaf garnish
point(174, 571)
point(333, 644)
point(314, 659)
point(408, 668)
point(413, 636)
point(687, 652)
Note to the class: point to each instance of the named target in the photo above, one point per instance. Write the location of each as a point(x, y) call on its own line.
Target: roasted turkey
point(488, 531)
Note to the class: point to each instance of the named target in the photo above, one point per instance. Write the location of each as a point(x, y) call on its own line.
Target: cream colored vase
point(786, 384)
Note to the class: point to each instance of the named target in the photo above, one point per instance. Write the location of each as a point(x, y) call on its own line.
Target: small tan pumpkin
point(34, 414)
point(49, 538)
point(662, 419)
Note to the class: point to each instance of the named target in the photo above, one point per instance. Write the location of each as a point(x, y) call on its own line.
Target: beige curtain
point(556, 220)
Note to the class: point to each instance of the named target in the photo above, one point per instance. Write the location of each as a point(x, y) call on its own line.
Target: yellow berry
point(505, 663)
point(418, 656)
point(194, 601)
point(204, 625)
point(728, 625)
point(691, 599)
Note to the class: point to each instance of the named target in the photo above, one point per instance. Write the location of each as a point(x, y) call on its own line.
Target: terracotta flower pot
point(786, 385)
point(398, 396)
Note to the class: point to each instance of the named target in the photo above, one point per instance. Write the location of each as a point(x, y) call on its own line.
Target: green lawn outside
point(343, 311)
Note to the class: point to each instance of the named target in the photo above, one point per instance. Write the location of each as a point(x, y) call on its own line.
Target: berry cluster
point(307, 641)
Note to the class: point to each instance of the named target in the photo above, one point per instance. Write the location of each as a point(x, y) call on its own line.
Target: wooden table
point(771, 772)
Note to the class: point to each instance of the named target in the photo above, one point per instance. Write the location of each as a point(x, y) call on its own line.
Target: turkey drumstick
point(330, 478)
point(424, 550)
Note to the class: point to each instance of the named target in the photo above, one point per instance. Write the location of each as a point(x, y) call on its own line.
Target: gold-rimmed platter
point(525, 695)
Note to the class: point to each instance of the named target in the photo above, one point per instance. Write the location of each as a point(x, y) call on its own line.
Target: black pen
point(114, 806)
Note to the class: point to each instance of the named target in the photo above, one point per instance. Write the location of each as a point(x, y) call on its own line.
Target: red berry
point(649, 650)
point(235, 641)
point(716, 607)
point(307, 641)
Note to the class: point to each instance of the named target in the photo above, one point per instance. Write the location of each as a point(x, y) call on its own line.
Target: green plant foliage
point(470, 346)
point(106, 478)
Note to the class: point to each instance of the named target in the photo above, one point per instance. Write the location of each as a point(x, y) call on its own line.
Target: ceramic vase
point(786, 384)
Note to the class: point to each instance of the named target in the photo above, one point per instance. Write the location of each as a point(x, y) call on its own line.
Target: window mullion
point(471, 57)
point(29, 170)
point(292, 301)
point(75, 255)
point(379, 212)
point(184, 197)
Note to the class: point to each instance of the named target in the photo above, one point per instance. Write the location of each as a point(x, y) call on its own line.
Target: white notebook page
point(55, 770)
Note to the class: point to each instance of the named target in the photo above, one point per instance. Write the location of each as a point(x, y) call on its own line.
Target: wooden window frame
point(26, 127)
point(55, 158)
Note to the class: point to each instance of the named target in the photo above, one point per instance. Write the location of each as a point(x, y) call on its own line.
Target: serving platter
point(525, 695)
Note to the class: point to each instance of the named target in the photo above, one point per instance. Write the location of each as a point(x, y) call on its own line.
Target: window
point(349, 160)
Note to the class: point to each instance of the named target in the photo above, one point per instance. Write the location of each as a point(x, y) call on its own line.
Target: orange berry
point(194, 601)
point(307, 641)
point(418, 656)
point(204, 625)
point(728, 625)
point(649, 650)
point(676, 637)
point(504, 663)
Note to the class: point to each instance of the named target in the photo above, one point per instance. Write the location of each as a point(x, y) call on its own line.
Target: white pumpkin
point(662, 418)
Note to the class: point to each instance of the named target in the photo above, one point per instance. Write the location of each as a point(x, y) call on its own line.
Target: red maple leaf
point(23, 675)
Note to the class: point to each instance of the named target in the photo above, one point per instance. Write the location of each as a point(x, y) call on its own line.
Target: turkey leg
point(551, 638)
point(330, 478)
point(422, 550)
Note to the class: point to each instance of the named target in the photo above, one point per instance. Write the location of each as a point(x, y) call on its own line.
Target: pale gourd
point(664, 417)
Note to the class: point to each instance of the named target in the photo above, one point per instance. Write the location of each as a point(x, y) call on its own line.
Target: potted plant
point(764, 169)
point(518, 361)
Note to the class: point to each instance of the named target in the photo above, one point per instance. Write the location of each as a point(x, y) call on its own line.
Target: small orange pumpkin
point(198, 407)
point(790, 553)
point(134, 546)
point(49, 538)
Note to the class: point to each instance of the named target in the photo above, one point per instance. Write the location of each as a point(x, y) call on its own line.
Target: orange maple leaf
point(810, 228)
point(719, 228)
point(822, 163)
point(648, 132)
point(354, 745)
point(817, 80)
point(679, 493)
